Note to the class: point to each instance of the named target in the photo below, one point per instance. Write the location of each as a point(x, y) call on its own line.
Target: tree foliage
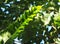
point(33, 21)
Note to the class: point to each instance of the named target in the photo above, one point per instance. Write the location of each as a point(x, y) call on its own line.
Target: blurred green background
point(29, 21)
